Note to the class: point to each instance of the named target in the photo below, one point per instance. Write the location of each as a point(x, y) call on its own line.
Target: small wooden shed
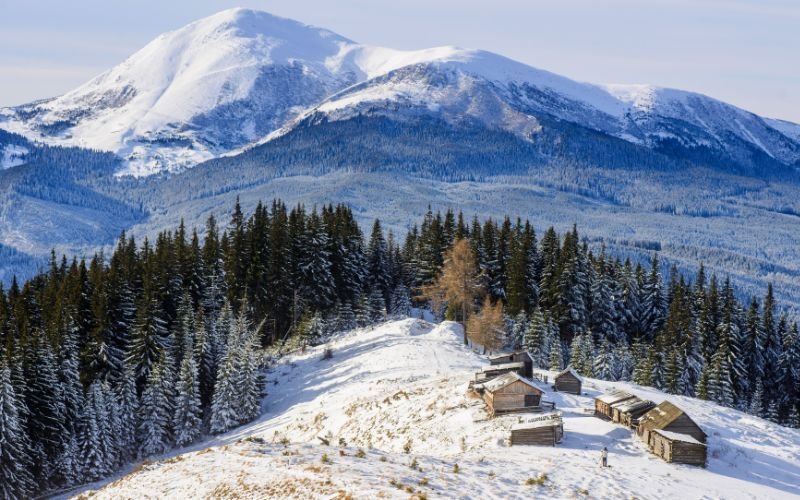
point(546, 430)
point(628, 412)
point(510, 393)
point(523, 357)
point(569, 381)
point(493, 371)
point(668, 417)
point(602, 404)
point(678, 448)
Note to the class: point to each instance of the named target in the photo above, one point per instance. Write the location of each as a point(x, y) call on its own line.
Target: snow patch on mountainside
point(399, 393)
point(12, 155)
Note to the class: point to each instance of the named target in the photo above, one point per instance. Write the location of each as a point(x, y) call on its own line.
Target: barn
point(523, 357)
point(568, 381)
point(628, 412)
point(510, 393)
point(546, 430)
point(493, 371)
point(602, 404)
point(678, 448)
point(668, 417)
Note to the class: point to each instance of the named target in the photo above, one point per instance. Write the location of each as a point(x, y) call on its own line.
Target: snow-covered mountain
point(241, 77)
point(391, 414)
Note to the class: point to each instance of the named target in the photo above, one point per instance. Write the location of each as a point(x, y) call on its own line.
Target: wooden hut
point(568, 381)
point(678, 448)
point(628, 412)
point(523, 357)
point(510, 393)
point(668, 417)
point(493, 371)
point(546, 430)
point(602, 404)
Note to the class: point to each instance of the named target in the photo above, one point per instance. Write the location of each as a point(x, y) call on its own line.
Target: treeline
point(125, 356)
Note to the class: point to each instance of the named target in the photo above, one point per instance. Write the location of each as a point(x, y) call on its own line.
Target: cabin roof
point(634, 405)
point(571, 371)
point(505, 379)
point(615, 397)
point(676, 436)
point(503, 366)
point(506, 354)
point(548, 420)
point(663, 415)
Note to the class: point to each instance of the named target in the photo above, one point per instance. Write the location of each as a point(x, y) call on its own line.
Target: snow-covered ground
point(393, 406)
point(12, 156)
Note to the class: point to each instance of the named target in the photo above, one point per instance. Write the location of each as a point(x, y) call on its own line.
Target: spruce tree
point(156, 410)
point(187, 419)
point(16, 480)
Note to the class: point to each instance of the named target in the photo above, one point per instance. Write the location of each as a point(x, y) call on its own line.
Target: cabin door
point(531, 400)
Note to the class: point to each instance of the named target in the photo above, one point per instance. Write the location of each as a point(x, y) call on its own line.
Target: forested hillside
point(126, 355)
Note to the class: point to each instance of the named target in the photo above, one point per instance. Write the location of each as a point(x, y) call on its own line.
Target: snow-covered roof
point(676, 436)
point(504, 380)
point(549, 420)
point(570, 370)
point(507, 354)
point(633, 405)
point(503, 366)
point(615, 397)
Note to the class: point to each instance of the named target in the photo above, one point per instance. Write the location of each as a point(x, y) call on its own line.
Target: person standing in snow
point(604, 457)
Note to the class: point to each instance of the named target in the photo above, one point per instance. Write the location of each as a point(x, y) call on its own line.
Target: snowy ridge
point(403, 386)
point(243, 77)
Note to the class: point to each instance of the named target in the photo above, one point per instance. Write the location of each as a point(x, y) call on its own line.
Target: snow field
point(391, 414)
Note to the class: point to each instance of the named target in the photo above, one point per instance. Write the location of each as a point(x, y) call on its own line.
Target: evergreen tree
point(188, 413)
point(156, 410)
point(15, 477)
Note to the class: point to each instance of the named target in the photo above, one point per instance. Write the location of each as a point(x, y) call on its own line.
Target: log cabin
point(568, 381)
point(668, 417)
point(523, 357)
point(678, 448)
point(510, 393)
point(602, 404)
point(546, 430)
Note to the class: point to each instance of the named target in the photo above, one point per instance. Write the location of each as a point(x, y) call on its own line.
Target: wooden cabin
point(568, 381)
point(510, 393)
point(678, 448)
point(493, 371)
point(523, 357)
point(602, 404)
point(668, 417)
point(546, 430)
point(628, 412)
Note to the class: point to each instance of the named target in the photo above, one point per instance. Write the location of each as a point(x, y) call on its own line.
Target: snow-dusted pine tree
point(187, 420)
point(15, 477)
point(156, 409)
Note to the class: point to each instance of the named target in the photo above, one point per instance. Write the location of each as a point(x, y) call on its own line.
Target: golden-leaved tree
point(487, 327)
point(458, 285)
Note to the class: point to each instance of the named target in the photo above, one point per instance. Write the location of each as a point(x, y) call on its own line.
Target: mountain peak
point(250, 23)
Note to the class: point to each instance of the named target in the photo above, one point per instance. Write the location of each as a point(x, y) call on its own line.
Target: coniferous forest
point(124, 356)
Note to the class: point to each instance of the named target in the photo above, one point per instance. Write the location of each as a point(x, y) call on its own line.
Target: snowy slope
point(404, 385)
point(12, 155)
point(241, 77)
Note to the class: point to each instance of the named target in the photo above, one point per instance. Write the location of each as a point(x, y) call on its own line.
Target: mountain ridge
point(241, 77)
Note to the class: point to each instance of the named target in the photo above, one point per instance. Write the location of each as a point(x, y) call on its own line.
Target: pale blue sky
point(746, 52)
